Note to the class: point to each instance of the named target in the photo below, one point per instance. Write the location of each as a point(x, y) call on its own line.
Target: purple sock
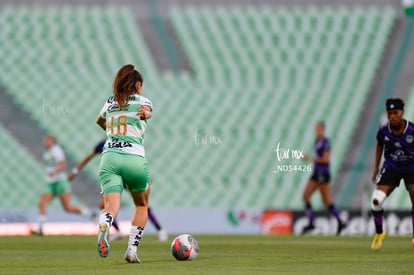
point(115, 225)
point(334, 212)
point(378, 220)
point(309, 213)
point(154, 221)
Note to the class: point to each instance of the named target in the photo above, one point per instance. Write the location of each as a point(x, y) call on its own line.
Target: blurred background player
point(123, 163)
point(162, 234)
point(396, 140)
point(57, 185)
point(320, 179)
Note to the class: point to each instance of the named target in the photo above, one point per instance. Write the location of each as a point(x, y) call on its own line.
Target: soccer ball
point(184, 247)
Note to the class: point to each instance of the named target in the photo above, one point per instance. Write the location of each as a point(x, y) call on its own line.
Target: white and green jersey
point(51, 159)
point(124, 129)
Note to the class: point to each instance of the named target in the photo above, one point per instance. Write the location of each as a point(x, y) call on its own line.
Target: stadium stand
point(59, 63)
point(271, 51)
point(16, 182)
point(256, 72)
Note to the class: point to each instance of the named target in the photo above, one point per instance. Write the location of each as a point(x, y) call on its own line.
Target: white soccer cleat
point(162, 235)
point(131, 257)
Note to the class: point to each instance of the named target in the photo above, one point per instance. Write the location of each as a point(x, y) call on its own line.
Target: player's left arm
point(60, 168)
point(324, 159)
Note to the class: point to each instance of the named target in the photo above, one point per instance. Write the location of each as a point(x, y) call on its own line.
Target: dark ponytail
point(125, 84)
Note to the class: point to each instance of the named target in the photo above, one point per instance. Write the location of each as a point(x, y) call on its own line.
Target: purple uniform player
point(396, 141)
point(320, 180)
point(162, 234)
point(321, 169)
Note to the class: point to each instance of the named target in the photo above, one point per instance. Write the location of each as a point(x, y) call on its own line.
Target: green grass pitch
point(218, 255)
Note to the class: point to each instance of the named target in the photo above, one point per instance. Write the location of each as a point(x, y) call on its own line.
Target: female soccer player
point(123, 162)
point(98, 149)
point(396, 140)
point(320, 179)
point(55, 165)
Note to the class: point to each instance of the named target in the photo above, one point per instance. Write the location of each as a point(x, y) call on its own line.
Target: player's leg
point(138, 222)
point(162, 234)
point(62, 189)
point(112, 187)
point(325, 190)
point(386, 182)
point(141, 201)
point(310, 187)
point(378, 197)
point(101, 203)
point(65, 201)
point(112, 203)
point(409, 180)
point(410, 188)
point(118, 234)
point(44, 200)
point(136, 176)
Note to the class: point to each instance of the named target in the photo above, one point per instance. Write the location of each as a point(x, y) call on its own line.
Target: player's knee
point(42, 203)
point(378, 198)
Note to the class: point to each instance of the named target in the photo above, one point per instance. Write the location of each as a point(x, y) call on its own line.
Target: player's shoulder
point(410, 126)
point(325, 140)
point(110, 99)
point(145, 101)
point(326, 143)
point(56, 146)
point(383, 128)
point(110, 104)
point(57, 149)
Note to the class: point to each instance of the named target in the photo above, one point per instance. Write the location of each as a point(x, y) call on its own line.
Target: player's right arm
point(101, 120)
point(378, 154)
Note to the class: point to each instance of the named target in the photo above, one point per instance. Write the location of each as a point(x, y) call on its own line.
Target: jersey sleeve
point(58, 154)
point(380, 138)
point(104, 108)
point(146, 102)
point(327, 145)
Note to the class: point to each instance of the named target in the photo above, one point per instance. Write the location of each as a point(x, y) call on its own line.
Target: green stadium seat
point(258, 76)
